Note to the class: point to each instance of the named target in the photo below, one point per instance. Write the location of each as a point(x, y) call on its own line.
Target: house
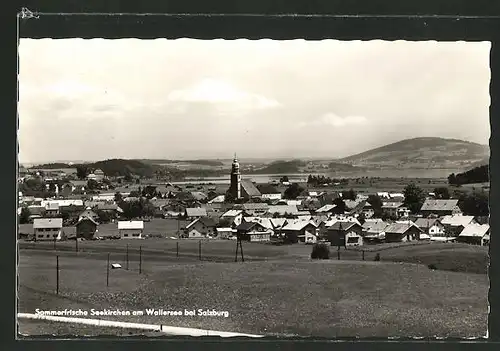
point(402, 232)
point(36, 211)
point(253, 231)
point(485, 241)
point(300, 231)
point(272, 196)
point(218, 199)
point(325, 224)
point(440, 207)
point(225, 233)
point(367, 210)
point(343, 233)
point(278, 224)
point(391, 208)
point(99, 175)
point(195, 212)
point(103, 197)
point(233, 217)
point(454, 224)
point(350, 205)
point(200, 228)
point(51, 209)
point(199, 196)
point(266, 222)
point(86, 227)
point(48, 229)
point(374, 230)
point(254, 209)
point(88, 213)
point(474, 234)
point(131, 229)
point(249, 190)
point(431, 226)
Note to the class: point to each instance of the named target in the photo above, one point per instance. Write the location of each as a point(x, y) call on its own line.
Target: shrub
point(432, 266)
point(320, 251)
point(377, 257)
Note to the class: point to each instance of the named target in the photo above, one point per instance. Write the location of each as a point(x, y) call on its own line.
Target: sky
point(95, 99)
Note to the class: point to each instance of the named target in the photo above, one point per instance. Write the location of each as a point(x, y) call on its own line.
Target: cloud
point(221, 95)
point(331, 119)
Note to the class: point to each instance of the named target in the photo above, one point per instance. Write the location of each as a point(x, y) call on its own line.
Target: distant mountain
point(422, 153)
point(281, 167)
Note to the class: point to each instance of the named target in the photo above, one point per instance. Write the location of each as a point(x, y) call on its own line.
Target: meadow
point(282, 296)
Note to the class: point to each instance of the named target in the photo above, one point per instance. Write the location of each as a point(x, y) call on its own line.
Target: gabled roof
point(439, 205)
point(253, 206)
point(392, 204)
point(250, 188)
point(54, 223)
point(232, 213)
point(457, 220)
point(375, 227)
point(342, 225)
point(265, 222)
point(278, 222)
point(400, 227)
point(282, 209)
point(198, 195)
point(351, 204)
point(326, 208)
point(475, 230)
point(246, 226)
point(218, 198)
point(130, 225)
point(295, 225)
point(196, 212)
point(83, 219)
point(427, 222)
point(206, 221)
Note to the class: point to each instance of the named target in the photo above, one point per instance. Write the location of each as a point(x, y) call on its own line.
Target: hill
point(281, 167)
point(122, 167)
point(428, 152)
point(475, 175)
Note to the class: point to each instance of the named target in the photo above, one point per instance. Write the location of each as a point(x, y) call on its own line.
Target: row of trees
point(475, 175)
point(320, 180)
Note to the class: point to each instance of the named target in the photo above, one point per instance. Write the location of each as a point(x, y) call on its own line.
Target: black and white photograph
point(253, 188)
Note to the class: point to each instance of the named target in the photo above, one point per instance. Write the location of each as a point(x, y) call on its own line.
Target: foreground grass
point(327, 298)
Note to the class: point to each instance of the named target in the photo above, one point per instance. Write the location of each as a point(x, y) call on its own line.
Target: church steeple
point(235, 187)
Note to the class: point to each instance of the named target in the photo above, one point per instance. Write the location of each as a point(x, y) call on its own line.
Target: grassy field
point(282, 297)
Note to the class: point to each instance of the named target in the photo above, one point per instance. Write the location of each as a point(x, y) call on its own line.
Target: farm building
point(225, 233)
point(86, 227)
point(252, 231)
point(474, 233)
point(431, 226)
point(266, 222)
point(343, 233)
point(48, 229)
point(374, 230)
point(131, 229)
point(88, 213)
point(195, 212)
point(200, 228)
point(234, 217)
point(455, 224)
point(249, 190)
point(392, 208)
point(440, 207)
point(300, 231)
point(402, 232)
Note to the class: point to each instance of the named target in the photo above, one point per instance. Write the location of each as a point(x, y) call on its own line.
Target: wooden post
point(107, 273)
point(177, 248)
point(57, 275)
point(338, 252)
point(237, 243)
point(54, 243)
point(127, 257)
point(241, 249)
point(140, 259)
point(363, 254)
point(199, 250)
point(76, 243)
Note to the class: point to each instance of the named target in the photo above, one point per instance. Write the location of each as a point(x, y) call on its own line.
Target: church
point(241, 189)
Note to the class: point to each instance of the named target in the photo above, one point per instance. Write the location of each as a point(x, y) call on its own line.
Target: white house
point(454, 224)
point(431, 226)
point(234, 217)
point(273, 196)
point(48, 229)
point(474, 233)
point(301, 231)
point(131, 229)
point(200, 228)
point(225, 233)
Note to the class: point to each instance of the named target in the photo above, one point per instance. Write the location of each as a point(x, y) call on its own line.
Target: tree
point(118, 197)
point(82, 171)
point(442, 193)
point(92, 184)
point(24, 217)
point(293, 191)
point(340, 207)
point(361, 218)
point(284, 179)
point(414, 197)
point(349, 195)
point(104, 217)
point(376, 203)
point(475, 204)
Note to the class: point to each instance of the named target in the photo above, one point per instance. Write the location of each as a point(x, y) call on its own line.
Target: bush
point(377, 257)
point(320, 252)
point(432, 266)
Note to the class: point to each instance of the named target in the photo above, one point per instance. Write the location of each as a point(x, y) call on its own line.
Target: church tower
point(235, 188)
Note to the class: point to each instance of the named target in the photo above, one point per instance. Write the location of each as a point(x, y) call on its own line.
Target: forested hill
point(475, 175)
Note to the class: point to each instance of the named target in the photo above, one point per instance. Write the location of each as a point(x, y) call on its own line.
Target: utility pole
point(107, 273)
point(57, 275)
point(140, 259)
point(127, 257)
point(76, 242)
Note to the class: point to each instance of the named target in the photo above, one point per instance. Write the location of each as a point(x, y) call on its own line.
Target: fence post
point(127, 257)
point(338, 252)
point(107, 273)
point(54, 243)
point(76, 243)
point(199, 250)
point(57, 275)
point(140, 259)
point(177, 249)
point(363, 254)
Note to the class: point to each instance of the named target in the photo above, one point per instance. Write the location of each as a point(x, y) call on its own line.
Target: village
point(248, 211)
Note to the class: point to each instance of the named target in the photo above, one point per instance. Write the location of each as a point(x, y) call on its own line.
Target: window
point(352, 240)
point(125, 234)
point(40, 235)
point(48, 235)
point(135, 234)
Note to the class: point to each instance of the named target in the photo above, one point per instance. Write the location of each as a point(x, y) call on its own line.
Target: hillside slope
point(427, 152)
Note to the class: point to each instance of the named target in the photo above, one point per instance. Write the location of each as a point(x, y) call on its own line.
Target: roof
point(400, 227)
point(196, 212)
point(278, 222)
point(326, 208)
point(392, 204)
point(198, 195)
point(350, 204)
point(245, 226)
point(52, 206)
point(375, 227)
point(85, 218)
point(206, 221)
point(426, 222)
point(232, 213)
point(331, 221)
point(293, 202)
point(218, 198)
point(344, 225)
point(130, 225)
point(439, 205)
point(250, 188)
point(282, 209)
point(54, 223)
point(265, 222)
point(298, 225)
point(255, 206)
point(457, 220)
point(224, 229)
point(475, 230)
